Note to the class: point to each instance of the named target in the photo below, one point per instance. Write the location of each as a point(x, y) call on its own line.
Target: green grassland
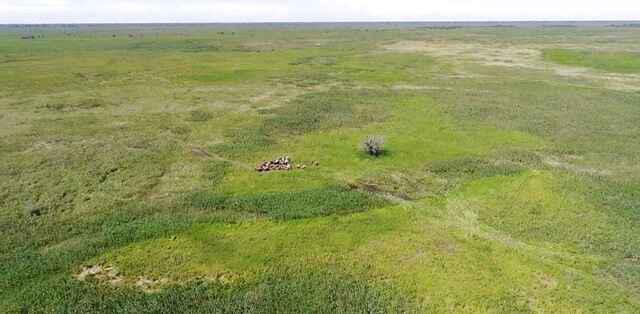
point(619, 62)
point(510, 180)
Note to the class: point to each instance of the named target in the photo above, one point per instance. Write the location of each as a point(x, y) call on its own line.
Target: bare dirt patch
point(505, 55)
point(562, 163)
point(407, 87)
point(150, 285)
point(101, 273)
point(111, 275)
point(528, 57)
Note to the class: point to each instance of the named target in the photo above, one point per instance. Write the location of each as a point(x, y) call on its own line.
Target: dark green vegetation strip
point(281, 290)
point(619, 62)
point(290, 205)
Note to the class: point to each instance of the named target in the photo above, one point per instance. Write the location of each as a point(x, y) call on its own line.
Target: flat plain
point(510, 180)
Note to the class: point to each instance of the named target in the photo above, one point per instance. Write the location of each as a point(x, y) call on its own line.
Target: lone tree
point(374, 145)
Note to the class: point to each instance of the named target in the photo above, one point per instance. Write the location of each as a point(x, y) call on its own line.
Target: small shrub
point(373, 145)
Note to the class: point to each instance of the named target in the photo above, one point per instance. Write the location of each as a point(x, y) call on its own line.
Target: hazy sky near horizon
point(142, 11)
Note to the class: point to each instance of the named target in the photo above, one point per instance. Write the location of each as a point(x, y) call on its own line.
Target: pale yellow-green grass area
point(509, 180)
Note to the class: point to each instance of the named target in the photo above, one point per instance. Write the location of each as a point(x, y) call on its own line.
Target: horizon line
point(337, 22)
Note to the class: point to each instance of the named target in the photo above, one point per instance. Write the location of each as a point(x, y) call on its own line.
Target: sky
point(165, 11)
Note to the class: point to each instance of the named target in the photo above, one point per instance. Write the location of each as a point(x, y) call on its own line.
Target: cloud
point(83, 11)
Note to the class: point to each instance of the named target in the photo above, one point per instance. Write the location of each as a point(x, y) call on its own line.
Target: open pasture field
point(510, 180)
